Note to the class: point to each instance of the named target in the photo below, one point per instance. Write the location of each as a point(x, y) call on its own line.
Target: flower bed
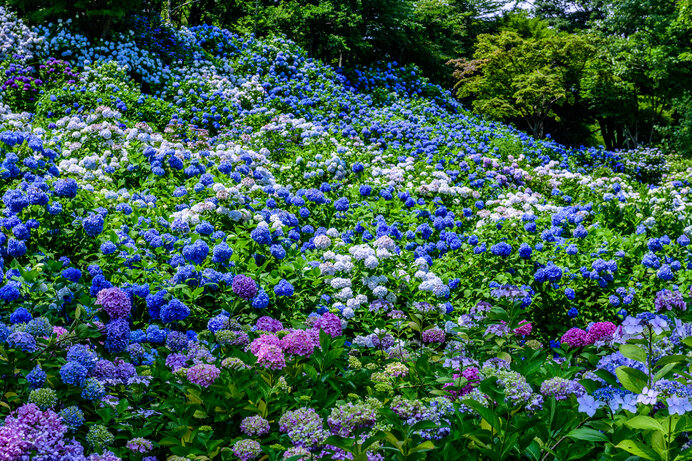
point(243, 254)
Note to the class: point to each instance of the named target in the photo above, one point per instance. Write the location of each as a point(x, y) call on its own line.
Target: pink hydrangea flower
point(600, 331)
point(524, 328)
point(272, 357)
point(575, 337)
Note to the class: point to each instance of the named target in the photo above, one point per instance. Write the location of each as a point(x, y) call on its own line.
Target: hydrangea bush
point(215, 247)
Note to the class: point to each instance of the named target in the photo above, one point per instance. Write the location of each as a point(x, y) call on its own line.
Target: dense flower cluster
point(200, 228)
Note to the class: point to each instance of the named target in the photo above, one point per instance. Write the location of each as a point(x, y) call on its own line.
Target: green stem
point(560, 441)
point(670, 435)
point(649, 356)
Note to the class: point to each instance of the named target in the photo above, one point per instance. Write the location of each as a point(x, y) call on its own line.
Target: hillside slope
point(169, 191)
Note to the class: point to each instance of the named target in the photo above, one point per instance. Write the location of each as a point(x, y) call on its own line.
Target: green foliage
point(569, 15)
point(108, 86)
point(524, 73)
point(96, 18)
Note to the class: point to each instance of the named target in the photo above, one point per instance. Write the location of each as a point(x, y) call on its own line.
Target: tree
point(96, 18)
point(448, 30)
point(644, 63)
point(515, 78)
point(569, 15)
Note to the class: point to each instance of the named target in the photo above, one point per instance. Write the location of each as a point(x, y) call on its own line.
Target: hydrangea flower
point(244, 286)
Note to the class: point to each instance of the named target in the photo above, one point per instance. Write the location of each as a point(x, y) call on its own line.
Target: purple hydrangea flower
point(244, 286)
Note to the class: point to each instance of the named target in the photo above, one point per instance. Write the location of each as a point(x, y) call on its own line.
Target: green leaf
point(670, 359)
point(646, 423)
point(632, 379)
point(169, 442)
point(425, 446)
point(607, 377)
point(664, 371)
point(533, 451)
point(633, 352)
point(588, 434)
point(590, 385)
point(200, 414)
point(498, 313)
point(486, 413)
point(638, 449)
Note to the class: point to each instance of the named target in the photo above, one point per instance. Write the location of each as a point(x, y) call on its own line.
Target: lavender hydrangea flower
point(203, 374)
point(244, 286)
point(247, 449)
point(667, 300)
point(678, 405)
point(115, 302)
point(588, 405)
point(254, 426)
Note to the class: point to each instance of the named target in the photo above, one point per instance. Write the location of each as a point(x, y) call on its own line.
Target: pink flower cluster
point(576, 337)
point(471, 374)
point(524, 328)
point(270, 350)
point(203, 374)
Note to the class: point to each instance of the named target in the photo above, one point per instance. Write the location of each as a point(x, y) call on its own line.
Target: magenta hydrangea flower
point(599, 331)
point(524, 328)
point(272, 357)
point(298, 342)
point(115, 302)
point(575, 337)
point(471, 374)
point(244, 286)
point(262, 341)
point(203, 374)
point(330, 323)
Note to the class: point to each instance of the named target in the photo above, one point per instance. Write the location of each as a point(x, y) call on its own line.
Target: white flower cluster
point(16, 39)
point(366, 254)
point(432, 283)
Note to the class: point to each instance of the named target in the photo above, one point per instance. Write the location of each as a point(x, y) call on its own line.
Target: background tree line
point(611, 72)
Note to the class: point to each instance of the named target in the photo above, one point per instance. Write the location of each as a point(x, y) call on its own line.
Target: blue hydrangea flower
point(20, 315)
point(73, 373)
point(261, 300)
point(73, 417)
point(36, 377)
point(221, 253)
point(93, 225)
point(284, 288)
point(72, 274)
point(261, 235)
point(174, 311)
point(501, 249)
